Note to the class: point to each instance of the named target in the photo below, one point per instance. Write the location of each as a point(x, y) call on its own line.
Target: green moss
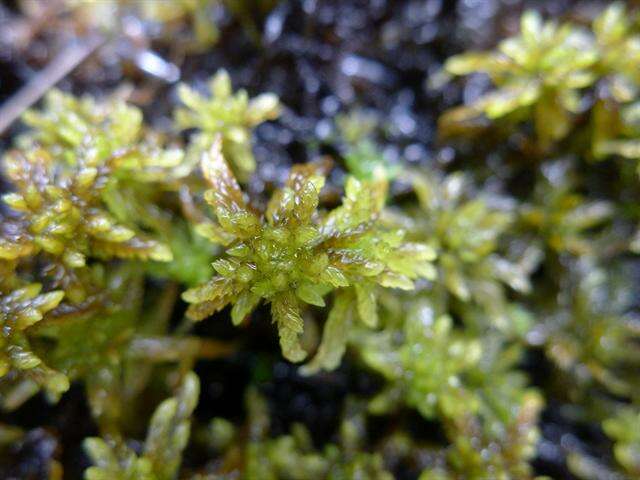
point(624, 428)
point(293, 456)
point(20, 309)
point(230, 115)
point(560, 216)
point(169, 15)
point(468, 382)
point(450, 302)
point(166, 439)
point(541, 75)
point(469, 234)
point(293, 255)
point(541, 70)
point(362, 157)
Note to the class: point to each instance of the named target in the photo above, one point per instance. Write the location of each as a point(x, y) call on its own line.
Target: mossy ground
point(533, 311)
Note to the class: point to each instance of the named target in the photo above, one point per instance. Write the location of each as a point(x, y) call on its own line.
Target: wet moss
point(465, 288)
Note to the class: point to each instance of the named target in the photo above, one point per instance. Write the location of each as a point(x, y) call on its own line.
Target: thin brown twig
point(70, 57)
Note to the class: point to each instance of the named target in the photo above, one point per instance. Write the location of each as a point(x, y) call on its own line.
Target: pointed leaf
point(286, 315)
point(334, 336)
point(367, 303)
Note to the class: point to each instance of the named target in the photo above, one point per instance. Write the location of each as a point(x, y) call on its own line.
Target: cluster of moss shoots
point(440, 297)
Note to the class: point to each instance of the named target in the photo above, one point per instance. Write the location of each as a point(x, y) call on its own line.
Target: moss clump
point(293, 455)
point(544, 73)
point(21, 308)
point(542, 69)
point(293, 254)
point(230, 115)
point(70, 180)
point(167, 437)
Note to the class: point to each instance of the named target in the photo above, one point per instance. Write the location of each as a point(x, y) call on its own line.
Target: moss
point(291, 255)
point(449, 309)
point(22, 308)
point(166, 439)
point(293, 457)
point(541, 70)
point(230, 115)
point(542, 75)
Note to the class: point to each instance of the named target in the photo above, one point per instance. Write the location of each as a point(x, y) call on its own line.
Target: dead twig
point(70, 57)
